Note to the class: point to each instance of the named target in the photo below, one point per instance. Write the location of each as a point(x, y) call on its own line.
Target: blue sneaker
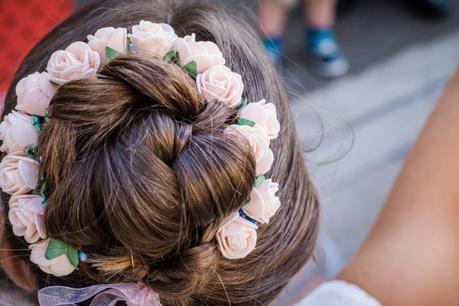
point(273, 46)
point(324, 55)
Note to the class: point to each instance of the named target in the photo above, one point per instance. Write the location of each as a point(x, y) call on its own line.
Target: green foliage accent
point(41, 188)
point(246, 203)
point(260, 179)
point(243, 121)
point(73, 257)
point(172, 57)
point(57, 248)
point(111, 53)
point(191, 68)
point(31, 151)
point(241, 104)
point(37, 122)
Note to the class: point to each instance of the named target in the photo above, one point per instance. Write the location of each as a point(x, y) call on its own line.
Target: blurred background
point(356, 122)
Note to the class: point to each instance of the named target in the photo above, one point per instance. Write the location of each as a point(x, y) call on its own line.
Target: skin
point(272, 15)
point(320, 13)
point(411, 256)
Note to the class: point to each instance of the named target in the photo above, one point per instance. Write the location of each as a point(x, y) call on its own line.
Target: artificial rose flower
point(115, 39)
point(259, 142)
point(219, 83)
point(34, 94)
point(59, 266)
point(18, 173)
point(154, 39)
point(17, 132)
point(236, 237)
point(263, 202)
point(204, 53)
point(77, 61)
point(26, 217)
point(264, 115)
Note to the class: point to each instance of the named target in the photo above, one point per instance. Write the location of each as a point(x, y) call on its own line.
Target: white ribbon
point(104, 295)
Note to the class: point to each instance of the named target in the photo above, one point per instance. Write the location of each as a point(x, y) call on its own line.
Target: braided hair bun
point(141, 170)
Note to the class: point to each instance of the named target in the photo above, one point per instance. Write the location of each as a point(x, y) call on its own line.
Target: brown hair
point(140, 173)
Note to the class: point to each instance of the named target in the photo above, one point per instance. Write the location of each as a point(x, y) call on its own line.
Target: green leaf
point(41, 187)
point(246, 203)
point(242, 103)
point(243, 121)
point(191, 68)
point(31, 151)
point(177, 58)
point(260, 179)
point(111, 53)
point(55, 248)
point(37, 123)
point(172, 56)
point(72, 254)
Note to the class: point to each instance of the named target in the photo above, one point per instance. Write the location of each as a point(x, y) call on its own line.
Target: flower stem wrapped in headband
point(203, 61)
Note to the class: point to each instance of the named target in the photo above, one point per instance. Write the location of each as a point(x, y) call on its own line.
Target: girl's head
point(140, 171)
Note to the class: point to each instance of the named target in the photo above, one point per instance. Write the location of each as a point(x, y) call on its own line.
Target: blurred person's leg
point(272, 16)
point(325, 57)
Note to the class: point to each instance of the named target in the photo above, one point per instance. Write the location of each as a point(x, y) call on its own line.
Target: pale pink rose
point(115, 39)
point(259, 142)
point(59, 266)
point(18, 174)
point(26, 217)
point(263, 202)
point(34, 94)
point(153, 39)
point(219, 83)
point(204, 53)
point(77, 61)
point(17, 132)
point(236, 237)
point(264, 115)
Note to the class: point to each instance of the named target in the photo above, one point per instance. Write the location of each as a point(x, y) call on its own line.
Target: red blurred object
point(22, 24)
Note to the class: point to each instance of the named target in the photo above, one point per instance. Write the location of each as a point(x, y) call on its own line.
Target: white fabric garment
point(338, 293)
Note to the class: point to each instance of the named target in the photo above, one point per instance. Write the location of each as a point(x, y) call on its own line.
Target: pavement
point(357, 130)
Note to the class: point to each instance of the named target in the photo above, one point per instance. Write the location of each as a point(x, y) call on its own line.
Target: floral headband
point(202, 60)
